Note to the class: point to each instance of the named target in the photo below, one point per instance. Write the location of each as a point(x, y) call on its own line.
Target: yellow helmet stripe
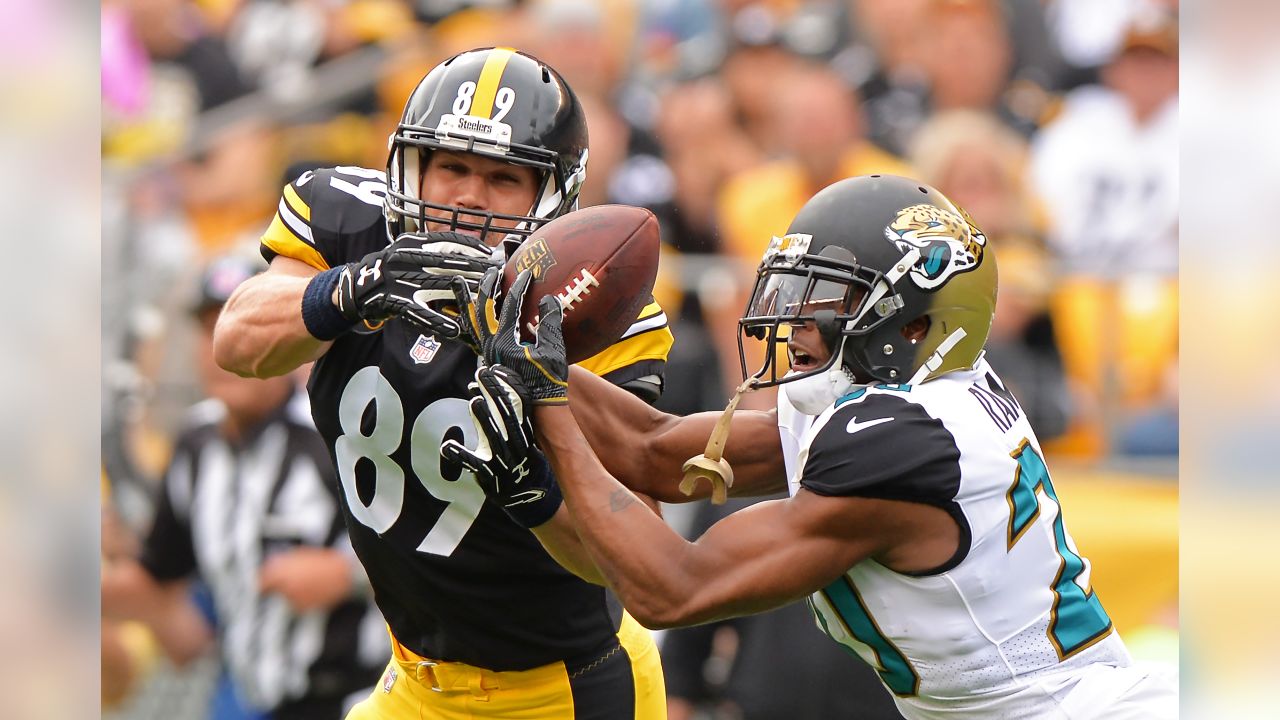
point(487, 85)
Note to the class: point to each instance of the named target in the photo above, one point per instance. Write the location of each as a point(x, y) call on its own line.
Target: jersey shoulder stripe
point(651, 318)
point(648, 341)
point(328, 217)
point(283, 238)
point(294, 202)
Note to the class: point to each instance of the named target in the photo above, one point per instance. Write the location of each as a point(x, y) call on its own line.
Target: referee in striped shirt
point(249, 506)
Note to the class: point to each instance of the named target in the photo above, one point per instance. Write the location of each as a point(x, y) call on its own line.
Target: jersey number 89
point(463, 497)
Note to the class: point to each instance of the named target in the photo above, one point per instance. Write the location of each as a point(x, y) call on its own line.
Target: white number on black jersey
point(464, 496)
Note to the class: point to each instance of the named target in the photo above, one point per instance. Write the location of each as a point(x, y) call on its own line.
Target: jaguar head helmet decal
point(865, 258)
point(948, 243)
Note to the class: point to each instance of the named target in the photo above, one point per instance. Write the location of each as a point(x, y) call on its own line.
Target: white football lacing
point(573, 292)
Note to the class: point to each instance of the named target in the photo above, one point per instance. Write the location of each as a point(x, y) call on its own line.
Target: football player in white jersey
point(922, 526)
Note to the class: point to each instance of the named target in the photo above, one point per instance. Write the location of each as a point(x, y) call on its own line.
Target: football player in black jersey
point(491, 145)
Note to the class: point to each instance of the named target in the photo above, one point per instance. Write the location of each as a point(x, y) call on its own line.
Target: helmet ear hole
point(917, 328)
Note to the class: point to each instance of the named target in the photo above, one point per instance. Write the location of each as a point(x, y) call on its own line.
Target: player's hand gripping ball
point(600, 263)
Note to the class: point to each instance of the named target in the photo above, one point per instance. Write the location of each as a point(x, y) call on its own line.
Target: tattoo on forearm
point(620, 499)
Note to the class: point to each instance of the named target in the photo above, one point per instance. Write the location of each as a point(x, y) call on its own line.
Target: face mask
point(813, 394)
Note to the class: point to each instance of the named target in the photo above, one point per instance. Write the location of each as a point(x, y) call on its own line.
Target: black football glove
point(507, 464)
point(543, 367)
point(477, 321)
point(413, 278)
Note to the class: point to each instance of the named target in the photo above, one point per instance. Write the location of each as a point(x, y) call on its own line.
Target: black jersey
point(455, 578)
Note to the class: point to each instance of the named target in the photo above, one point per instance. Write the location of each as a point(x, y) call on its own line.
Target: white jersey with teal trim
point(1009, 625)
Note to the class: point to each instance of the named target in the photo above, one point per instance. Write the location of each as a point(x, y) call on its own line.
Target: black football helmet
point(863, 258)
point(495, 102)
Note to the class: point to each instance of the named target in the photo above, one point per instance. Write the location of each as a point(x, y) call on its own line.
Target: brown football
point(601, 262)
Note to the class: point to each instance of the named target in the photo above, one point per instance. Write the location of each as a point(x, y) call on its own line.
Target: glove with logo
point(476, 320)
point(512, 471)
point(543, 366)
point(410, 277)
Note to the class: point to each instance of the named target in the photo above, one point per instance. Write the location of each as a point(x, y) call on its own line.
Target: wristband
point(322, 319)
point(538, 510)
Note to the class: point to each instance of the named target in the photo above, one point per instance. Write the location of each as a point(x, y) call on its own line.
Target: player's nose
point(801, 326)
point(803, 336)
point(471, 192)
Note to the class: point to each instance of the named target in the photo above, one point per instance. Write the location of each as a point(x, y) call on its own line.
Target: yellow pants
point(626, 683)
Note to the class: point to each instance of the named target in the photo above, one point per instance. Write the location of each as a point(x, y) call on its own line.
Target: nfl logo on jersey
point(389, 680)
point(424, 348)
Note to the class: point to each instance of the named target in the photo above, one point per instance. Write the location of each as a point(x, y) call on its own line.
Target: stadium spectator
point(922, 525)
point(221, 189)
point(1107, 166)
point(703, 147)
point(980, 163)
point(883, 61)
point(1022, 346)
point(492, 144)
point(588, 41)
point(821, 130)
point(911, 60)
point(278, 45)
point(248, 506)
point(1089, 33)
point(1107, 169)
point(753, 70)
point(176, 37)
point(968, 58)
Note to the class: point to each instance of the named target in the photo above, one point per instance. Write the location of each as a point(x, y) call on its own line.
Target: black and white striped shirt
point(224, 509)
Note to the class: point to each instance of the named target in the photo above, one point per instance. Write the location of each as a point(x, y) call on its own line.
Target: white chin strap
point(935, 360)
point(813, 394)
point(818, 392)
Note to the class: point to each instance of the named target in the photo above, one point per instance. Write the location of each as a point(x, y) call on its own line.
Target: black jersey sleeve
point(168, 552)
point(886, 447)
point(328, 217)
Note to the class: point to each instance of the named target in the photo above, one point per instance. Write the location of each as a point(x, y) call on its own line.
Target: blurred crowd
point(1052, 122)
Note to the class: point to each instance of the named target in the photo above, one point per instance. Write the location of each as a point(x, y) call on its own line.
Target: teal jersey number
point(892, 666)
point(1078, 620)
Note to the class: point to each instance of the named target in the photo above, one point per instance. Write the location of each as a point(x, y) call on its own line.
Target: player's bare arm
point(657, 444)
point(756, 559)
point(559, 537)
point(260, 332)
point(290, 315)
point(515, 474)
